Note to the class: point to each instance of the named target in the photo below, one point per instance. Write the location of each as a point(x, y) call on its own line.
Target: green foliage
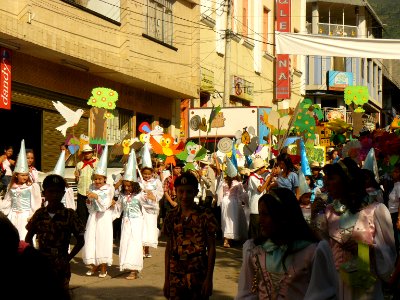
point(358, 95)
point(103, 98)
point(388, 12)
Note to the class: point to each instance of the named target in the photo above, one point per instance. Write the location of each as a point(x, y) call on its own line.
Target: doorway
point(22, 122)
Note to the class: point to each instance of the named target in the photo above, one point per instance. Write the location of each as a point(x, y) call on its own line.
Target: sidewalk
point(150, 285)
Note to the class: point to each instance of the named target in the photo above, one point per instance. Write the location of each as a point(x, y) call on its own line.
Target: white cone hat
point(231, 170)
point(303, 186)
point(22, 162)
point(101, 168)
point(59, 169)
point(146, 157)
point(130, 168)
point(371, 164)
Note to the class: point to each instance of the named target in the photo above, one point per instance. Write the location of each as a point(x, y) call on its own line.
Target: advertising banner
point(5, 78)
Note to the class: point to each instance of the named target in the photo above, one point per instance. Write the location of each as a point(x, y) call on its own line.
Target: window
point(160, 20)
point(265, 28)
point(140, 118)
point(119, 127)
point(109, 10)
point(164, 123)
point(339, 64)
point(245, 19)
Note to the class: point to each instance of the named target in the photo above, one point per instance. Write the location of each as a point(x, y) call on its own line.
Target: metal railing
point(334, 29)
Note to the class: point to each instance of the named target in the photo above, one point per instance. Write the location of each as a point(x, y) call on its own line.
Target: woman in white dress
point(233, 219)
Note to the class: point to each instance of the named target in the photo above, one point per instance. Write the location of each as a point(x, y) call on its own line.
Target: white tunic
point(150, 211)
point(20, 203)
point(98, 247)
point(130, 247)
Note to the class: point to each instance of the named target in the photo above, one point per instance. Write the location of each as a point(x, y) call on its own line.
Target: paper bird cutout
point(190, 154)
point(166, 147)
point(71, 117)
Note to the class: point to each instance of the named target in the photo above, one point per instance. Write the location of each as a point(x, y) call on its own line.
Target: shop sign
point(338, 81)
point(282, 89)
point(5, 78)
point(207, 80)
point(242, 88)
point(335, 113)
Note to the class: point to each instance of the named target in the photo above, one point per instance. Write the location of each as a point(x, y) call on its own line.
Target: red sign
point(5, 78)
point(283, 9)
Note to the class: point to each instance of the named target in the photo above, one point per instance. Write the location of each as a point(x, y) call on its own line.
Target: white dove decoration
point(71, 117)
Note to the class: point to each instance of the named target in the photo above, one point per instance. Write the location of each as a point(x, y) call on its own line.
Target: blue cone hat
point(231, 170)
point(305, 167)
point(303, 186)
point(130, 168)
point(146, 157)
point(371, 164)
point(59, 169)
point(22, 162)
point(101, 168)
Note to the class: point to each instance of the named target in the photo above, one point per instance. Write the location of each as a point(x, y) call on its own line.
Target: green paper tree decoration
point(358, 95)
point(305, 122)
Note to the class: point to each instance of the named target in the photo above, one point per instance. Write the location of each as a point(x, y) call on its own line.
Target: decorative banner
point(190, 154)
point(5, 78)
point(358, 95)
point(71, 117)
point(283, 9)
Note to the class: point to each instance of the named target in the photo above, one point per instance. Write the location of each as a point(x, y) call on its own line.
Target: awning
point(309, 44)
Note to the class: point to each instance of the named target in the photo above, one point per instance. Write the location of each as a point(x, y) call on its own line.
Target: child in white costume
point(23, 197)
point(98, 249)
point(130, 201)
point(153, 190)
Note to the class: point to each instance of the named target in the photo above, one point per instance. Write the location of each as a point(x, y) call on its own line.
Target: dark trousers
point(395, 230)
point(254, 226)
point(81, 208)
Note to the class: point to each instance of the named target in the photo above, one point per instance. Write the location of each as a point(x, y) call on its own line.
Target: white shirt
point(254, 182)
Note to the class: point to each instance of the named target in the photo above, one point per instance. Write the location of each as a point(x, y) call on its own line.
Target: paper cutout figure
point(203, 124)
point(103, 101)
point(166, 147)
point(126, 146)
point(190, 154)
point(305, 123)
point(195, 122)
point(83, 140)
point(358, 95)
point(213, 114)
point(71, 117)
point(146, 131)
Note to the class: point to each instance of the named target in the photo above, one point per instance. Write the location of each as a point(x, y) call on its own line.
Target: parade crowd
point(307, 231)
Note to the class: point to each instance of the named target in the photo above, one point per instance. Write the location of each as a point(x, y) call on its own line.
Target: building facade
point(145, 50)
point(326, 77)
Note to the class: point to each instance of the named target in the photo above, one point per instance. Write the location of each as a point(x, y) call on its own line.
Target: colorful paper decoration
point(191, 153)
point(305, 123)
point(71, 117)
point(195, 122)
point(126, 146)
point(225, 145)
point(146, 131)
point(166, 147)
point(213, 114)
point(305, 167)
point(358, 95)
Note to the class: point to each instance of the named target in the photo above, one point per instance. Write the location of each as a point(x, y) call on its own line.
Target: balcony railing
point(335, 112)
point(334, 29)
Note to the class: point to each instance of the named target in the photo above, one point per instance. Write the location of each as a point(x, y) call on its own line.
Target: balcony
point(334, 29)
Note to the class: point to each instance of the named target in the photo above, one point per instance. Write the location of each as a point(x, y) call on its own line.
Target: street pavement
point(150, 285)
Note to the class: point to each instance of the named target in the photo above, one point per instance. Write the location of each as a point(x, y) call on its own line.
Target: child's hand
point(150, 195)
point(91, 195)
